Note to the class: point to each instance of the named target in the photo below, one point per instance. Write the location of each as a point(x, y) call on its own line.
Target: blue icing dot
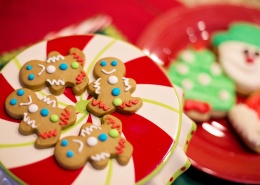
point(63, 66)
point(29, 67)
point(31, 77)
point(64, 142)
point(114, 63)
point(102, 137)
point(13, 101)
point(116, 91)
point(70, 153)
point(44, 112)
point(103, 63)
point(20, 92)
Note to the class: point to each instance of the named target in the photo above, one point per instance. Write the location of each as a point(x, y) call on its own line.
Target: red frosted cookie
point(245, 119)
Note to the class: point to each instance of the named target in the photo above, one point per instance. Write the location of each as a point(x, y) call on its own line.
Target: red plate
point(214, 149)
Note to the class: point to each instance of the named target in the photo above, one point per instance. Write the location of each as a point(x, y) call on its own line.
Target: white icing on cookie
point(246, 121)
point(187, 84)
point(100, 157)
point(55, 58)
point(187, 56)
point(204, 79)
point(216, 69)
point(245, 74)
point(183, 69)
point(224, 95)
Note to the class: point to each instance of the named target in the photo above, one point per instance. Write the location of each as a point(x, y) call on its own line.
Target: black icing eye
point(257, 53)
point(246, 51)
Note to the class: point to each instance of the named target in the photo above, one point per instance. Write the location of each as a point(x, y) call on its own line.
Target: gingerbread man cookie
point(39, 116)
point(96, 144)
point(57, 72)
point(112, 89)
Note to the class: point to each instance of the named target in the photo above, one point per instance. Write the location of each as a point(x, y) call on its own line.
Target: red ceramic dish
point(215, 148)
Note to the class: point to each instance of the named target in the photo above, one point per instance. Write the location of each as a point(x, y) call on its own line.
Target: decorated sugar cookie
point(40, 116)
point(57, 72)
point(112, 89)
point(245, 119)
point(208, 92)
point(96, 144)
point(239, 54)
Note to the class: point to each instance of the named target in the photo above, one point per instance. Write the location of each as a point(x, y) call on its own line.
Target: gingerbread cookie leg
point(47, 137)
point(99, 108)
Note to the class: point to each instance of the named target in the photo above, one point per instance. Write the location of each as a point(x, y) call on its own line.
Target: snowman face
point(241, 61)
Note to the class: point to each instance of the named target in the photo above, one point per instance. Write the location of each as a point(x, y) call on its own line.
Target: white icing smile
point(108, 72)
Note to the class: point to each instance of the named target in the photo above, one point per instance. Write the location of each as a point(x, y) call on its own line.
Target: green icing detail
point(75, 65)
point(204, 80)
point(81, 106)
point(113, 133)
point(54, 118)
point(244, 32)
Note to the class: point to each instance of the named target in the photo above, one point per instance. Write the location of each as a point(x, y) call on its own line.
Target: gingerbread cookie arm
point(130, 84)
point(93, 88)
point(68, 117)
point(25, 127)
point(124, 152)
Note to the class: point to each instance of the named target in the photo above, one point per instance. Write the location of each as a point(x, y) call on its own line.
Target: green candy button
point(75, 65)
point(117, 102)
point(54, 118)
point(113, 133)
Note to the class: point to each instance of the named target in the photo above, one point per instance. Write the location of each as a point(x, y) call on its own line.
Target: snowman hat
point(242, 31)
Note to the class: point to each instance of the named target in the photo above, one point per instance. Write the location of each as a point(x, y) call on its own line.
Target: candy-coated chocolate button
point(114, 63)
point(113, 133)
point(70, 153)
point(117, 102)
point(30, 76)
point(75, 65)
point(64, 142)
point(20, 92)
point(29, 67)
point(112, 80)
point(92, 141)
point(116, 91)
point(13, 101)
point(103, 63)
point(51, 69)
point(63, 66)
point(102, 137)
point(33, 108)
point(44, 112)
point(54, 118)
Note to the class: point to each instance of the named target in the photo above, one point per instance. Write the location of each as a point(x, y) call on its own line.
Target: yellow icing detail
point(109, 174)
point(99, 54)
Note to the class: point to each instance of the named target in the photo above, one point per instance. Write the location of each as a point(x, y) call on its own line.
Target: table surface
point(26, 22)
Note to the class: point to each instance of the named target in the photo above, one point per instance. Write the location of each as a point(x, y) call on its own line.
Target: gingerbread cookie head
point(112, 90)
point(109, 66)
point(40, 116)
point(239, 54)
point(96, 144)
point(57, 72)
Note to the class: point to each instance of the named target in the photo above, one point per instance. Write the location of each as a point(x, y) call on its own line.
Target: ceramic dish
point(154, 131)
point(222, 155)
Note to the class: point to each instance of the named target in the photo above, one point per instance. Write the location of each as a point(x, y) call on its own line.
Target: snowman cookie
point(245, 119)
point(40, 116)
point(239, 54)
point(112, 90)
point(96, 144)
point(56, 73)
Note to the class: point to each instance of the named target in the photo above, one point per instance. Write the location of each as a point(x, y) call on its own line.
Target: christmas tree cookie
point(208, 91)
